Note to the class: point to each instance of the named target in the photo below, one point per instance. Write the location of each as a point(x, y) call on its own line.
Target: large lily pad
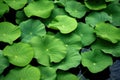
point(96, 61)
point(31, 28)
point(63, 23)
point(15, 4)
point(95, 4)
point(40, 8)
point(19, 54)
point(9, 32)
point(3, 62)
point(48, 49)
point(75, 9)
point(97, 17)
point(47, 73)
point(107, 32)
point(27, 73)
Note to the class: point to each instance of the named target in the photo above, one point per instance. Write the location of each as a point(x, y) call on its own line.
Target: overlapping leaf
point(63, 23)
point(15, 4)
point(107, 32)
point(96, 60)
point(19, 54)
point(31, 28)
point(9, 32)
point(40, 8)
point(48, 49)
point(27, 73)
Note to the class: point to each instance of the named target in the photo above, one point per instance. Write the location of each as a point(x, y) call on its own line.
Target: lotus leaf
point(19, 54)
point(107, 32)
point(9, 32)
point(48, 49)
point(26, 73)
point(31, 28)
point(15, 4)
point(63, 23)
point(40, 8)
point(75, 9)
point(96, 61)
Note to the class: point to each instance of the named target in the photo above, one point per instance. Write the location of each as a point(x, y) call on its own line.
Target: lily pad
point(47, 73)
point(97, 17)
point(3, 62)
point(63, 23)
point(9, 32)
point(48, 49)
point(31, 28)
point(40, 8)
point(15, 4)
point(107, 32)
point(95, 4)
point(96, 61)
point(86, 32)
point(75, 9)
point(27, 73)
point(19, 54)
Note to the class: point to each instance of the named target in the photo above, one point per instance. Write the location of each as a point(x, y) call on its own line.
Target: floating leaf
point(15, 4)
point(47, 73)
point(97, 17)
point(114, 10)
point(107, 47)
point(48, 49)
point(71, 40)
point(3, 62)
point(107, 32)
point(9, 32)
point(75, 9)
point(40, 8)
point(62, 2)
point(86, 32)
point(96, 60)
point(19, 54)
point(4, 8)
point(31, 28)
point(95, 4)
point(27, 73)
point(71, 60)
point(63, 23)
point(66, 76)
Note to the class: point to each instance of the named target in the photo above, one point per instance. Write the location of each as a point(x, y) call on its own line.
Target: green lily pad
point(63, 23)
point(40, 8)
point(31, 28)
point(107, 32)
point(86, 32)
point(3, 8)
point(71, 60)
point(96, 61)
point(66, 76)
point(95, 4)
point(27, 73)
point(47, 73)
point(107, 47)
point(97, 17)
point(19, 54)
point(114, 11)
point(9, 32)
point(15, 4)
point(62, 2)
point(48, 49)
point(3, 62)
point(75, 9)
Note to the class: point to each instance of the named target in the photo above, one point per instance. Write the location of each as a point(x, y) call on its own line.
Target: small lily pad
point(9, 32)
point(96, 61)
point(19, 54)
point(27, 73)
point(63, 23)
